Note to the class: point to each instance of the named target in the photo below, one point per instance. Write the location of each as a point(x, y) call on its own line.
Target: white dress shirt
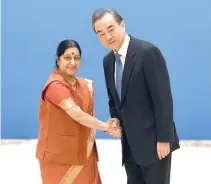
point(123, 52)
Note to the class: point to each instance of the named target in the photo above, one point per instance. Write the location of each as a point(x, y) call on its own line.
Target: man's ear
point(122, 23)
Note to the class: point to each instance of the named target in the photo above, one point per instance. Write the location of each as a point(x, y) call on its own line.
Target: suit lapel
point(128, 68)
point(111, 60)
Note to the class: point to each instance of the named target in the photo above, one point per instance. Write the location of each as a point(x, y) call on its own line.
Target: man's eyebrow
point(99, 31)
point(109, 26)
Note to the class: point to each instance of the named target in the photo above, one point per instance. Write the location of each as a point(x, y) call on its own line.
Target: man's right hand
point(114, 128)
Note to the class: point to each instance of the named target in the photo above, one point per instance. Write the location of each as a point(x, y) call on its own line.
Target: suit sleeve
point(158, 82)
point(111, 103)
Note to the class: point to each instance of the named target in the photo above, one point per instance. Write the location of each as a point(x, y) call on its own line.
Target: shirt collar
point(123, 49)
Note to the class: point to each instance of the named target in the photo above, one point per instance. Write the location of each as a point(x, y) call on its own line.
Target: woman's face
point(69, 62)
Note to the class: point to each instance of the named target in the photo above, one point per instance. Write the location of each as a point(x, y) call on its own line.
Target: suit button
point(122, 110)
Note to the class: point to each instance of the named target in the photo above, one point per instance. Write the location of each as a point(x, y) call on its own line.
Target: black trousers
point(156, 173)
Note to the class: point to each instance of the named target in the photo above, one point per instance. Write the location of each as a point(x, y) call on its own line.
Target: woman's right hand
point(113, 128)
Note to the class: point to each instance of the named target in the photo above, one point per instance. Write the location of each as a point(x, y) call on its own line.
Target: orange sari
point(71, 174)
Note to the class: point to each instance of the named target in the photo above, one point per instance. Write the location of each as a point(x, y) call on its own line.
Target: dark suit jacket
point(146, 108)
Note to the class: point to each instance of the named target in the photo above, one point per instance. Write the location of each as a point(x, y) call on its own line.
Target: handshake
point(114, 128)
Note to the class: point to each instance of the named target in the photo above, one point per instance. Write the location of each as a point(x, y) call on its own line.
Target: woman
point(66, 146)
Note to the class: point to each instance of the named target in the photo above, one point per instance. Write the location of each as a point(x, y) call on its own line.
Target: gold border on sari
point(67, 104)
point(73, 172)
point(90, 86)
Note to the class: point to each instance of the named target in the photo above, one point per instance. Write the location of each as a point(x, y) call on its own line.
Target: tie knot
point(117, 57)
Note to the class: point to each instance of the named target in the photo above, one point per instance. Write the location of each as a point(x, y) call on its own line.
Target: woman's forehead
point(72, 51)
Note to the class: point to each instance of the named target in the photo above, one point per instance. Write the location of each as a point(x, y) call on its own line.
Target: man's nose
point(108, 36)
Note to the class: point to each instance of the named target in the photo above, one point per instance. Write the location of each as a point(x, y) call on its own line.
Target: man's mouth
point(111, 42)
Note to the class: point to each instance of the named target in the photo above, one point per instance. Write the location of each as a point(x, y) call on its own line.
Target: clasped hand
point(114, 128)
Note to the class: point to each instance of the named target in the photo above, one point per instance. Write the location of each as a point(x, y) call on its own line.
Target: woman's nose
point(72, 62)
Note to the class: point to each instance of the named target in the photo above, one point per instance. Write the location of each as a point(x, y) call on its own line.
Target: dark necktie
point(118, 75)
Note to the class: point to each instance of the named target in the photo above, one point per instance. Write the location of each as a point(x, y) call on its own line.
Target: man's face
point(110, 32)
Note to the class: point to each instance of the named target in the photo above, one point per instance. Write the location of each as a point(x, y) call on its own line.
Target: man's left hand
point(163, 149)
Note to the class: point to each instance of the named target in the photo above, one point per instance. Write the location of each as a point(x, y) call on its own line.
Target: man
point(140, 97)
